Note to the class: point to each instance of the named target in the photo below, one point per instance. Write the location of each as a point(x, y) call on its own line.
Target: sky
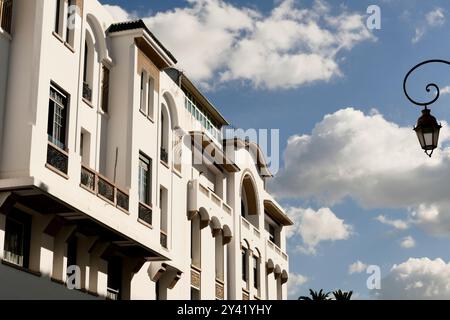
point(352, 175)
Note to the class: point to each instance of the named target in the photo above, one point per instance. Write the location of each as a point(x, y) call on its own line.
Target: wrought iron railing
point(112, 294)
point(103, 188)
point(164, 155)
point(87, 92)
point(57, 158)
point(6, 15)
point(163, 239)
point(145, 213)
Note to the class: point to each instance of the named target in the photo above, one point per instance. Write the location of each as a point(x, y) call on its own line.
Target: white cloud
point(408, 242)
point(315, 227)
point(417, 279)
point(446, 90)
point(434, 19)
point(296, 281)
point(357, 267)
point(373, 161)
point(118, 14)
point(286, 48)
point(397, 224)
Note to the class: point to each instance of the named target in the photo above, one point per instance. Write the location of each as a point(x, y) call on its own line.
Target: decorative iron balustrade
point(104, 189)
point(87, 92)
point(145, 213)
point(163, 239)
point(164, 156)
point(57, 158)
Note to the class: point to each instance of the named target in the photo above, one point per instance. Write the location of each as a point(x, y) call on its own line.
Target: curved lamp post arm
point(428, 87)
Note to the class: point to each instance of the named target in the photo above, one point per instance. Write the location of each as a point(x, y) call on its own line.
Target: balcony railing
point(104, 189)
point(164, 155)
point(87, 92)
point(112, 294)
point(57, 158)
point(6, 15)
point(277, 250)
point(145, 213)
point(163, 239)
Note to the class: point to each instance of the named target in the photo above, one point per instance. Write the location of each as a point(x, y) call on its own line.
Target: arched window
point(88, 68)
point(165, 133)
point(249, 201)
point(256, 265)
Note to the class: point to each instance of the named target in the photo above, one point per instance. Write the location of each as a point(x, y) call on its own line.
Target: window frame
point(144, 159)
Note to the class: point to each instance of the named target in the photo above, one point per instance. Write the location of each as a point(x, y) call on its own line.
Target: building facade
point(115, 180)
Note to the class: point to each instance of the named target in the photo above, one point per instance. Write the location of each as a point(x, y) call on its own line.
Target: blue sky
point(366, 75)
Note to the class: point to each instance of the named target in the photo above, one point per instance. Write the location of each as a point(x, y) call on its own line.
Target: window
point(163, 206)
point(143, 92)
point(164, 134)
point(255, 272)
point(151, 97)
point(70, 23)
point(114, 278)
point(17, 238)
point(244, 265)
point(272, 233)
point(195, 294)
point(85, 146)
point(105, 89)
point(145, 167)
point(72, 249)
point(196, 241)
point(88, 68)
point(57, 118)
point(219, 257)
point(59, 17)
point(243, 212)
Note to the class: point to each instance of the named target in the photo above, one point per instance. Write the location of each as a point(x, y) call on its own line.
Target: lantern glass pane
point(428, 136)
point(436, 136)
point(421, 138)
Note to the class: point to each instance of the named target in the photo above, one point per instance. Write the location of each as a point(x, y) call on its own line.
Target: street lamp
point(427, 128)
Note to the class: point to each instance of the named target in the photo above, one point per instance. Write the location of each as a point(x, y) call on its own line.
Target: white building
point(101, 167)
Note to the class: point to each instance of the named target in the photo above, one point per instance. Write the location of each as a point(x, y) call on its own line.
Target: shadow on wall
point(16, 284)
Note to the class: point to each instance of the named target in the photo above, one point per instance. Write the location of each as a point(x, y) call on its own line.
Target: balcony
point(146, 213)
point(163, 239)
point(87, 92)
point(57, 159)
point(112, 294)
point(201, 196)
point(6, 15)
point(249, 231)
point(104, 189)
point(164, 156)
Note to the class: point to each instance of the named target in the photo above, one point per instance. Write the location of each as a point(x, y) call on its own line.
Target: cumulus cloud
point(296, 281)
point(314, 227)
point(357, 267)
point(434, 19)
point(445, 90)
point(417, 279)
point(397, 224)
point(408, 242)
point(286, 48)
point(119, 14)
point(376, 162)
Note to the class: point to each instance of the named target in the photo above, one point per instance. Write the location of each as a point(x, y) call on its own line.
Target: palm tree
point(340, 295)
point(316, 296)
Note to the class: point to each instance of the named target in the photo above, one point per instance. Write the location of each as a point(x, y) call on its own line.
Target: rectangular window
point(145, 167)
point(151, 97)
point(244, 265)
point(70, 23)
point(114, 278)
point(57, 118)
point(105, 89)
point(163, 199)
point(255, 272)
point(17, 239)
point(142, 92)
point(272, 233)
